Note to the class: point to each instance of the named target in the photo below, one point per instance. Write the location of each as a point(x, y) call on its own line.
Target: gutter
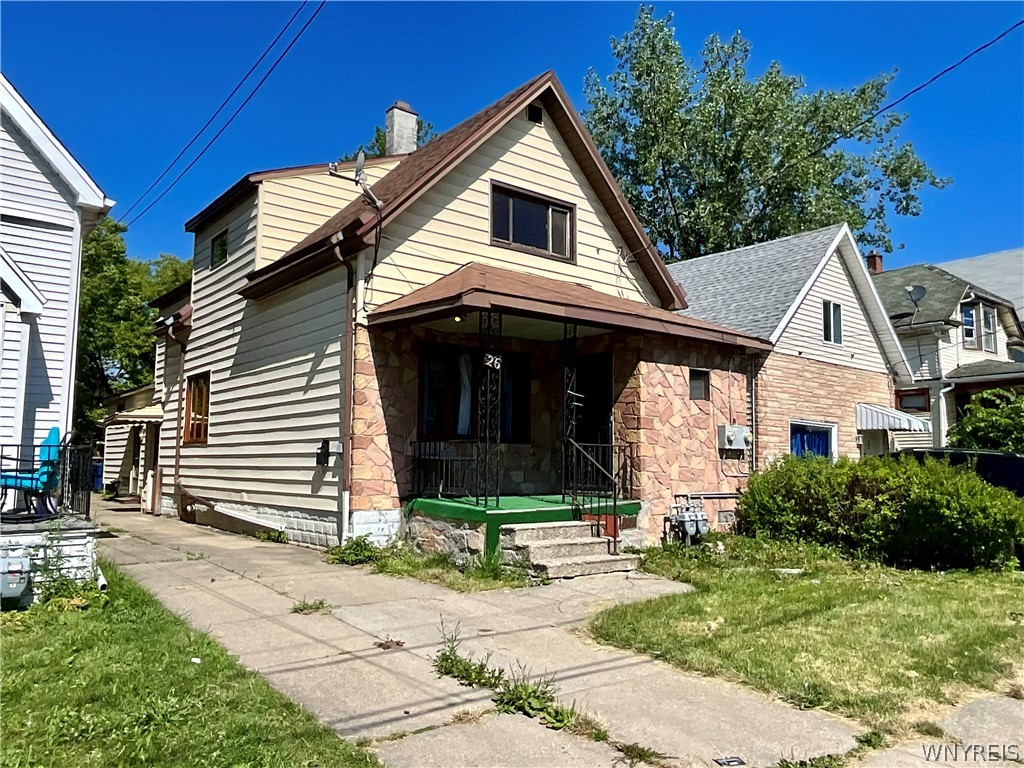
point(347, 394)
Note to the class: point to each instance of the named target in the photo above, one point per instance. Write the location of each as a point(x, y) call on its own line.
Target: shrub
point(356, 551)
point(897, 511)
point(993, 420)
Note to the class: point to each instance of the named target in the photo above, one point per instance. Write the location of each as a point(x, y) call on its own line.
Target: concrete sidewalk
point(241, 591)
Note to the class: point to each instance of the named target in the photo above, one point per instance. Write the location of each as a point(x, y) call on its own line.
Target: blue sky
point(124, 85)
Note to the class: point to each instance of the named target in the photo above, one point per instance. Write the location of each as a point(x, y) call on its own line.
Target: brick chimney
point(400, 129)
point(874, 260)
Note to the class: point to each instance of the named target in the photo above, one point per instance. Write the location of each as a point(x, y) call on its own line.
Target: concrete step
point(554, 549)
point(570, 567)
point(524, 533)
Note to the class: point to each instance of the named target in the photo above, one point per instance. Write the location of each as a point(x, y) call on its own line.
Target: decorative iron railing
point(75, 482)
point(48, 478)
point(597, 477)
point(457, 468)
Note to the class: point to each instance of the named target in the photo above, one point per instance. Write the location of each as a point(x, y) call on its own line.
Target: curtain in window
point(465, 394)
point(804, 440)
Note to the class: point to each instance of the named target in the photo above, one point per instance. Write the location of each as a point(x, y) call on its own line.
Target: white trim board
point(31, 298)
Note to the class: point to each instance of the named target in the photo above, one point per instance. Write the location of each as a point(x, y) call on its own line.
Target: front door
point(594, 434)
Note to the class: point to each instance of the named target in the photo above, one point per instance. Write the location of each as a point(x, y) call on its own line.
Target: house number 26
point(492, 361)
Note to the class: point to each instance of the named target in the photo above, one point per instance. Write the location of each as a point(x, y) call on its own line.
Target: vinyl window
point(532, 223)
point(197, 408)
point(970, 326)
point(219, 249)
point(832, 322)
point(988, 328)
point(916, 401)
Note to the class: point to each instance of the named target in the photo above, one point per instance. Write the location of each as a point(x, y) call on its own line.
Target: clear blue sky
point(124, 85)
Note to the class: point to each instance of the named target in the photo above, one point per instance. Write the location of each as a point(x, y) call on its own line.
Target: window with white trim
point(988, 328)
point(832, 322)
point(970, 326)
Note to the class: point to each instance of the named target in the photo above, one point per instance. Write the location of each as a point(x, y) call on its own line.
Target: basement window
point(197, 409)
point(532, 223)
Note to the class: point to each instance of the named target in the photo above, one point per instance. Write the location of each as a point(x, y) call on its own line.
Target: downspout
point(943, 412)
point(347, 395)
point(181, 400)
point(753, 413)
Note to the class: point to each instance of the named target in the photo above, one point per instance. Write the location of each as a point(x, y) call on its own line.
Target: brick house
point(479, 328)
point(827, 385)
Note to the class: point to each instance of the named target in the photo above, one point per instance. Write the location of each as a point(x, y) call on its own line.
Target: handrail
point(593, 461)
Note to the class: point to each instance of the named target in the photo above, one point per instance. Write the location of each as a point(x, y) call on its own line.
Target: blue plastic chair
point(40, 480)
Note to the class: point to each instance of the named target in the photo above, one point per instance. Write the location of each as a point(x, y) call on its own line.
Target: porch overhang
point(871, 416)
point(150, 414)
point(481, 288)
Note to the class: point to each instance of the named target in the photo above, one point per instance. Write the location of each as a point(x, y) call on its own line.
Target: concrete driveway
point(241, 591)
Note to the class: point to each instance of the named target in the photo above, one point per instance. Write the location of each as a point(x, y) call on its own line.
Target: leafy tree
point(115, 333)
point(378, 145)
point(993, 420)
point(712, 158)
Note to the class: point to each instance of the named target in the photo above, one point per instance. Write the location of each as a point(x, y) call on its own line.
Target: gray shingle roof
point(750, 289)
point(987, 368)
point(1002, 273)
point(941, 300)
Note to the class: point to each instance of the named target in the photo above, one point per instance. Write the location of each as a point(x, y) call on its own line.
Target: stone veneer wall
point(791, 387)
point(459, 539)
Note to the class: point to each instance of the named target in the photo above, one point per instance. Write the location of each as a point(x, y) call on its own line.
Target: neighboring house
point(48, 204)
point(130, 443)
point(500, 325)
point(1000, 273)
point(826, 387)
point(958, 338)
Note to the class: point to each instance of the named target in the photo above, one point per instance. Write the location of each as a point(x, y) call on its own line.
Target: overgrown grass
point(878, 644)
point(117, 685)
point(479, 574)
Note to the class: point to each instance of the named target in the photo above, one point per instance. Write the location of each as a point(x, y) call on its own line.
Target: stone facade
point(790, 387)
point(459, 539)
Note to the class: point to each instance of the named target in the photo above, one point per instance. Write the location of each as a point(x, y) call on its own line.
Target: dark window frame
point(197, 426)
point(914, 393)
point(703, 376)
point(520, 433)
point(220, 237)
point(514, 192)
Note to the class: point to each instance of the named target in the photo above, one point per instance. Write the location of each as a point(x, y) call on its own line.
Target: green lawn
point(884, 646)
point(116, 685)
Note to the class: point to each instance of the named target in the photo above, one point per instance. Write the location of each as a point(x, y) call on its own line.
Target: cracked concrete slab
point(992, 720)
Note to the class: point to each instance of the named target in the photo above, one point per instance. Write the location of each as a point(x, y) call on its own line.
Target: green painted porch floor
point(543, 505)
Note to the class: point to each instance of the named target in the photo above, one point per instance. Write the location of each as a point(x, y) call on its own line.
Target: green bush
point(897, 511)
point(356, 551)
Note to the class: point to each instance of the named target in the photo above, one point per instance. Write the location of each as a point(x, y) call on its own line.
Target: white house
point(48, 204)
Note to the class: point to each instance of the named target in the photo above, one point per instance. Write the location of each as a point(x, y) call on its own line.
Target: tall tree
point(993, 420)
point(712, 158)
point(115, 332)
point(378, 145)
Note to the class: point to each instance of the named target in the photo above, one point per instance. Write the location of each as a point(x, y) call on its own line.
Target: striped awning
point(870, 416)
point(147, 415)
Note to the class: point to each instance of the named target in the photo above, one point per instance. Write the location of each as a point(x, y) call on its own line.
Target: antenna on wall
point(359, 178)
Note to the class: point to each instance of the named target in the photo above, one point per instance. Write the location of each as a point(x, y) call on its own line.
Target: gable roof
point(941, 301)
point(483, 287)
point(246, 187)
point(757, 289)
point(87, 193)
point(353, 225)
point(751, 289)
point(1001, 272)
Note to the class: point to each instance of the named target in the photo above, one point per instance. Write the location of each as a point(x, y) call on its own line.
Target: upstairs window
point(914, 401)
point(832, 322)
point(970, 326)
point(197, 408)
point(219, 249)
point(988, 327)
point(531, 223)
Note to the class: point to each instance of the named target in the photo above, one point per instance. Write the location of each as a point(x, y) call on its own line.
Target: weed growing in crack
point(449, 662)
point(306, 607)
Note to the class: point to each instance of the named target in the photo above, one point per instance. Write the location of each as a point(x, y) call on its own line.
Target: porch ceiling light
point(458, 318)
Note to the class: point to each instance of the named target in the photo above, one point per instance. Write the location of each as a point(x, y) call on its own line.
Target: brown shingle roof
point(483, 287)
point(352, 226)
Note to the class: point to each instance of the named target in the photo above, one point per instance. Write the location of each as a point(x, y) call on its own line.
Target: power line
point(234, 114)
point(897, 102)
point(213, 117)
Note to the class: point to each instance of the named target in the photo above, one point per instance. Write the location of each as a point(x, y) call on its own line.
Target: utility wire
point(213, 117)
point(895, 103)
point(234, 114)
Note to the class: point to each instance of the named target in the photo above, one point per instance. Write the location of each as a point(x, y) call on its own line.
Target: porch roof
point(480, 287)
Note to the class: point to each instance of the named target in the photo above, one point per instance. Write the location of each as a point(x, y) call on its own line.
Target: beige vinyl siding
point(953, 353)
point(160, 355)
point(450, 225)
point(804, 336)
point(291, 207)
point(275, 381)
point(116, 455)
point(169, 426)
point(922, 353)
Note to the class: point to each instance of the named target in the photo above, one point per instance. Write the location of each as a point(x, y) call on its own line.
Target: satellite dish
point(360, 162)
point(915, 293)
